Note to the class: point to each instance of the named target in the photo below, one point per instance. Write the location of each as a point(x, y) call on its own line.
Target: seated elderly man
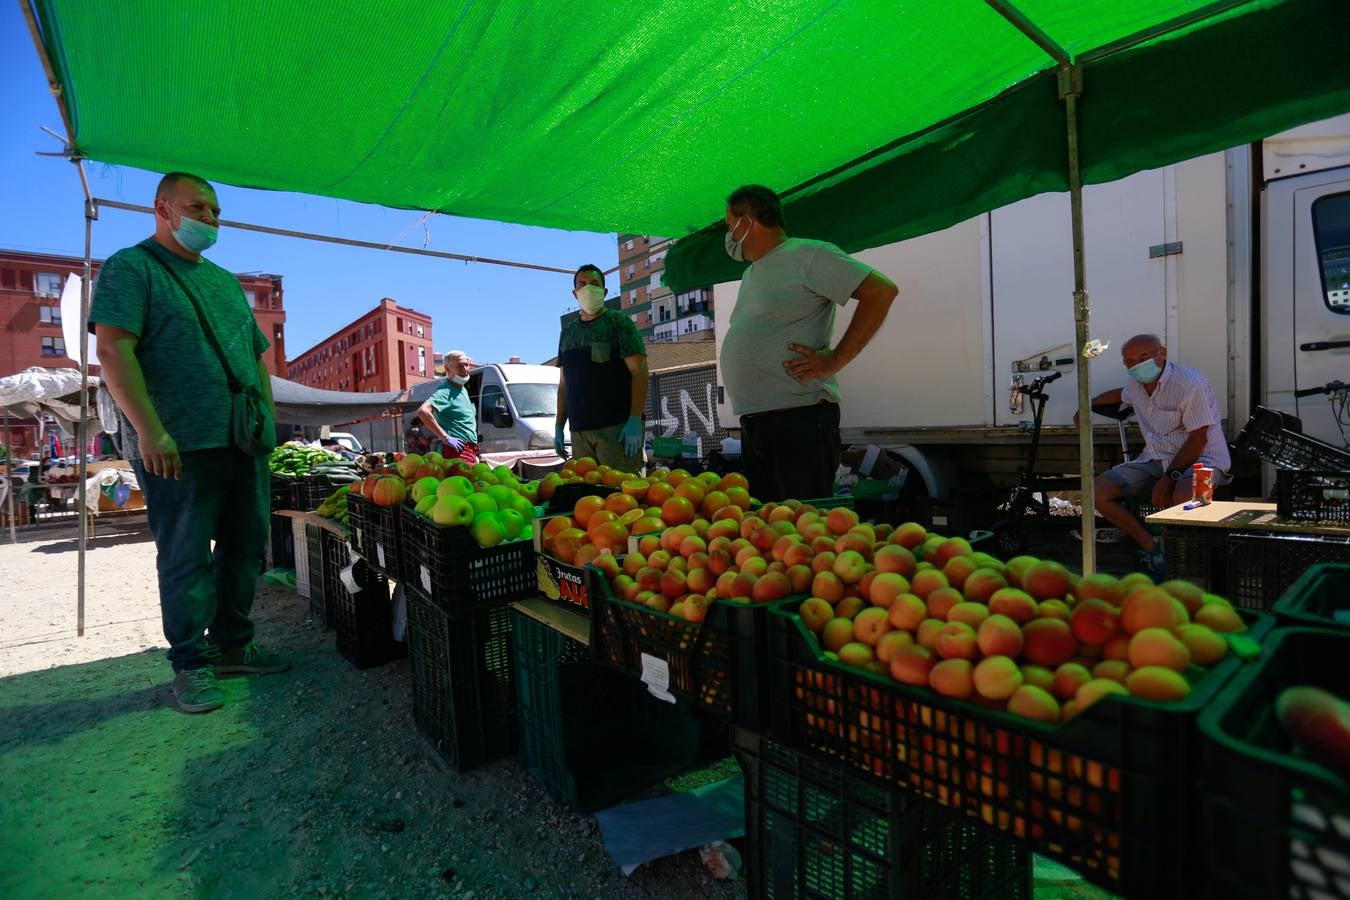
point(1179, 418)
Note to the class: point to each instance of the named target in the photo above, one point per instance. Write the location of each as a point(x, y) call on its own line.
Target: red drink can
point(1202, 484)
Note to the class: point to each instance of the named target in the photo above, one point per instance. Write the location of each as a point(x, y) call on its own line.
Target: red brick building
point(387, 349)
point(30, 311)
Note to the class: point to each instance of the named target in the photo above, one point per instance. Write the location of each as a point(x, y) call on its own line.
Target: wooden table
point(577, 627)
point(1238, 514)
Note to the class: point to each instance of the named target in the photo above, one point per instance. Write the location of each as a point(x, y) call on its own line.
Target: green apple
point(452, 510)
point(425, 504)
point(482, 503)
point(514, 522)
point(456, 485)
point(488, 529)
point(424, 487)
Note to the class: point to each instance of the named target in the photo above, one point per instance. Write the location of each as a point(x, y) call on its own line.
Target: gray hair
point(457, 356)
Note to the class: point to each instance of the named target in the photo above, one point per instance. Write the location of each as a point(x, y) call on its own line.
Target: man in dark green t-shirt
point(172, 388)
point(602, 388)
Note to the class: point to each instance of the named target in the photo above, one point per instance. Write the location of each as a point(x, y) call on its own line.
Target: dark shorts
point(1136, 478)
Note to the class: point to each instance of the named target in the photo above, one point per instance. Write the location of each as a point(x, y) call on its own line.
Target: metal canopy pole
point(1070, 89)
point(90, 213)
point(9, 480)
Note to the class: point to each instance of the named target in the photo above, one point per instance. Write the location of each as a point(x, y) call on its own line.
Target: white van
point(517, 406)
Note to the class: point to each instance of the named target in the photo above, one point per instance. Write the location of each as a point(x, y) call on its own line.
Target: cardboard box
point(871, 472)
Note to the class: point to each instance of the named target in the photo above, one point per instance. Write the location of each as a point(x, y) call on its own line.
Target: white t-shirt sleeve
point(834, 274)
point(1199, 408)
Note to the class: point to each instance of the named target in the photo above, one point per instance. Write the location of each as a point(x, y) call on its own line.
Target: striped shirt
point(1182, 402)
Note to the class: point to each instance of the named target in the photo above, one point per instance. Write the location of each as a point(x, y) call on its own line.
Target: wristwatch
point(1174, 474)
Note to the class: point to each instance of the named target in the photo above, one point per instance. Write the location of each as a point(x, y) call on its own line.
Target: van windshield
point(535, 401)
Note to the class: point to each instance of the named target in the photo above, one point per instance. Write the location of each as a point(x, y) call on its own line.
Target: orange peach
point(956, 640)
point(633, 563)
point(659, 602)
point(815, 612)
point(999, 636)
point(695, 608)
point(800, 579)
point(849, 607)
point(798, 553)
point(719, 561)
point(855, 542)
point(727, 581)
point(909, 535)
point(907, 612)
point(953, 678)
point(840, 519)
point(891, 642)
point(1190, 595)
point(970, 613)
point(1205, 645)
point(856, 654)
point(996, 677)
point(1094, 621)
point(1157, 683)
point(886, 587)
point(958, 569)
point(1030, 702)
point(1118, 647)
point(755, 565)
point(1219, 618)
point(1158, 647)
point(850, 566)
point(1053, 609)
point(649, 579)
point(770, 587)
point(949, 550)
point(982, 585)
point(1151, 608)
point(671, 538)
point(1068, 679)
point(700, 581)
point(1114, 669)
point(912, 664)
point(1095, 690)
point(926, 635)
point(894, 558)
point(1015, 567)
point(780, 547)
point(658, 559)
point(1135, 580)
point(870, 624)
point(1046, 580)
point(1014, 603)
point(625, 587)
point(828, 586)
point(1100, 586)
point(941, 602)
point(926, 581)
point(837, 633)
point(1040, 676)
point(742, 586)
point(986, 561)
point(1048, 642)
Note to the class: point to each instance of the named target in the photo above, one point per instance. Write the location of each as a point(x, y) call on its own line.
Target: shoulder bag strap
point(235, 387)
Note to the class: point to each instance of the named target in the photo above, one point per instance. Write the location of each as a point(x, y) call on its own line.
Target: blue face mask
point(1146, 372)
point(192, 235)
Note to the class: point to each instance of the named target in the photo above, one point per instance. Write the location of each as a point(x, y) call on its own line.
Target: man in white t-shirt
point(777, 364)
point(1179, 419)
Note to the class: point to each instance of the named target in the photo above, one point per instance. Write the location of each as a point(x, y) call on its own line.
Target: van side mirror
point(500, 417)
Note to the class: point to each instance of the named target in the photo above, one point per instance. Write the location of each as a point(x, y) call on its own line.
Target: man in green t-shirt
point(449, 414)
point(602, 388)
point(172, 388)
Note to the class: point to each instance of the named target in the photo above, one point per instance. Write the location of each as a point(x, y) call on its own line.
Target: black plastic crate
point(817, 830)
point(1263, 565)
point(1277, 438)
point(1314, 498)
point(377, 534)
point(464, 694)
point(565, 498)
point(1275, 822)
point(283, 542)
point(316, 551)
point(279, 492)
point(719, 664)
point(1105, 793)
point(446, 564)
point(579, 748)
point(308, 491)
point(1198, 555)
point(364, 621)
point(1320, 598)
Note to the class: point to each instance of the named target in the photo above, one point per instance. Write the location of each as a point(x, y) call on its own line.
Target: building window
point(49, 315)
point(632, 296)
point(53, 346)
point(632, 270)
point(421, 332)
point(421, 358)
point(628, 245)
point(252, 298)
point(48, 284)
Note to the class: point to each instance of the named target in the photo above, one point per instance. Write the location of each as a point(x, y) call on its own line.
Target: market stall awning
point(300, 404)
point(888, 117)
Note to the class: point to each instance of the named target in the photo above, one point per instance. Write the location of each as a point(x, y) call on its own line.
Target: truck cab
point(516, 405)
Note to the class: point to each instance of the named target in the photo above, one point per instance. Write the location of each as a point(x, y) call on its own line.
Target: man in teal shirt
point(449, 412)
point(172, 388)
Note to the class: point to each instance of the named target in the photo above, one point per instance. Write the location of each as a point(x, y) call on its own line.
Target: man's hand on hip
point(160, 457)
point(811, 363)
point(630, 435)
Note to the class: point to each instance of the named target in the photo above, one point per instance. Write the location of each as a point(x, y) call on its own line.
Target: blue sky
point(490, 311)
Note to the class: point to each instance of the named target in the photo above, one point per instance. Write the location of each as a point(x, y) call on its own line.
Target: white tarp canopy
point(299, 404)
point(36, 391)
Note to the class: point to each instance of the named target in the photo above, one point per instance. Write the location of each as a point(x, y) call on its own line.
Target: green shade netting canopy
point(879, 119)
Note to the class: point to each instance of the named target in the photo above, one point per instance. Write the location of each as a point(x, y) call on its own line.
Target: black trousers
point(791, 453)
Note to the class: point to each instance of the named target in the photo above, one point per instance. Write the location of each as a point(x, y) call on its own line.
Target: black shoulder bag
point(251, 426)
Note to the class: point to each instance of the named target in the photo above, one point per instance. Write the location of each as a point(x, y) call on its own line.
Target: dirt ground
point(309, 783)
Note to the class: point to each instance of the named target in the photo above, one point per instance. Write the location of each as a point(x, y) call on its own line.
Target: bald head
point(1142, 347)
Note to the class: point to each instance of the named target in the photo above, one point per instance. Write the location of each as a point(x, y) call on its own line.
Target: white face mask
point(591, 297)
point(460, 380)
point(192, 235)
point(735, 248)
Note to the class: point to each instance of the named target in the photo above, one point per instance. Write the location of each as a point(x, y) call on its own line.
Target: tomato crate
point(377, 533)
point(1106, 793)
point(818, 830)
point(1276, 823)
point(279, 492)
point(446, 564)
point(364, 621)
point(1314, 498)
point(1199, 555)
point(1320, 598)
point(718, 664)
point(318, 560)
point(577, 747)
point(1263, 565)
point(560, 583)
point(464, 691)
